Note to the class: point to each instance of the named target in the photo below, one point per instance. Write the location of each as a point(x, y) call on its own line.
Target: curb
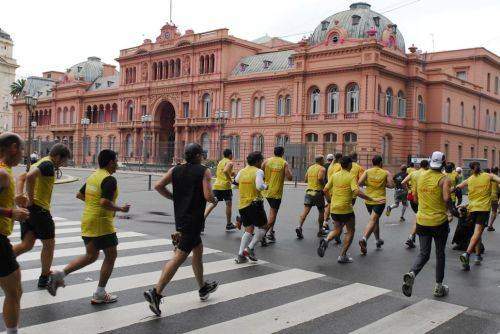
point(67, 179)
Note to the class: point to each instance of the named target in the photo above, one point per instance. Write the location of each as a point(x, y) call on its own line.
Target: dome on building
point(4, 35)
point(88, 71)
point(359, 21)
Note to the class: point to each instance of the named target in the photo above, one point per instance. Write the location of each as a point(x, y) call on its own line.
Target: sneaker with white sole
point(408, 280)
point(344, 259)
point(362, 246)
point(154, 300)
point(241, 259)
point(299, 233)
point(104, 298)
point(441, 290)
point(379, 243)
point(250, 253)
point(323, 245)
point(464, 258)
point(207, 289)
point(54, 282)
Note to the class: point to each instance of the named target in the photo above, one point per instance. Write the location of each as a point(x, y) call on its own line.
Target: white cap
point(330, 157)
point(458, 170)
point(437, 160)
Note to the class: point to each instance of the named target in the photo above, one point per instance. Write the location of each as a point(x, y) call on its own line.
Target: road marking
point(77, 291)
point(124, 316)
point(58, 231)
point(297, 312)
point(421, 317)
point(81, 250)
point(17, 227)
point(58, 219)
point(70, 240)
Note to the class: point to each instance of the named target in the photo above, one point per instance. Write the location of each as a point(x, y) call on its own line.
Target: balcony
point(63, 127)
point(351, 115)
point(125, 125)
point(312, 117)
point(331, 116)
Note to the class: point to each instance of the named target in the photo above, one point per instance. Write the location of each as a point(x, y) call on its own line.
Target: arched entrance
point(165, 118)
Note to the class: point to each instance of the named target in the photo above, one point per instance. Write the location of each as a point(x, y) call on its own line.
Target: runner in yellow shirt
point(495, 194)
point(276, 170)
point(11, 153)
point(98, 232)
point(356, 170)
point(329, 161)
point(315, 177)
point(222, 187)
point(335, 166)
point(479, 185)
point(375, 179)
point(39, 184)
point(341, 188)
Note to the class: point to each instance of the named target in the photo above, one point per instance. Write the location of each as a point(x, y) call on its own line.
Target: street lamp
point(84, 122)
point(31, 103)
point(146, 121)
point(221, 118)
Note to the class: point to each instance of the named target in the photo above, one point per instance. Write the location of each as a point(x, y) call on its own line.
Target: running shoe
point(42, 281)
point(410, 243)
point(54, 282)
point(207, 289)
point(230, 227)
point(478, 260)
point(402, 219)
point(250, 253)
point(298, 230)
point(464, 258)
point(326, 227)
point(441, 290)
point(241, 259)
point(388, 211)
point(105, 298)
point(263, 242)
point(408, 280)
point(154, 300)
point(362, 246)
point(323, 245)
point(379, 243)
point(491, 229)
point(322, 233)
point(238, 222)
point(271, 237)
point(344, 259)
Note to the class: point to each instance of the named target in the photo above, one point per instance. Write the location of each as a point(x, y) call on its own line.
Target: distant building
point(350, 86)
point(8, 67)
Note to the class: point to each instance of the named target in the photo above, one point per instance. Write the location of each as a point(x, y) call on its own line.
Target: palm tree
point(17, 87)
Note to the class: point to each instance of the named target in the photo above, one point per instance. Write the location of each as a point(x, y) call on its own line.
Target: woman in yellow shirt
point(495, 194)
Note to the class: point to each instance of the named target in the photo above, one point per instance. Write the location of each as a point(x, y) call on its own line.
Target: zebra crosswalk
point(256, 297)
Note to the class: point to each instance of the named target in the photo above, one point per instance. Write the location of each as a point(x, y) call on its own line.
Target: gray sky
point(55, 34)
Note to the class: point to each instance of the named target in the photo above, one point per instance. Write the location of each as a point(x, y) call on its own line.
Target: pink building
point(349, 86)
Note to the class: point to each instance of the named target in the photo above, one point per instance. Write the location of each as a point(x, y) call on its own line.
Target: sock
point(100, 290)
point(12, 330)
point(259, 234)
point(245, 240)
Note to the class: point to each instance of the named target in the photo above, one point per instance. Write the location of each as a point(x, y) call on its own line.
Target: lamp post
point(221, 118)
point(31, 103)
point(84, 122)
point(146, 121)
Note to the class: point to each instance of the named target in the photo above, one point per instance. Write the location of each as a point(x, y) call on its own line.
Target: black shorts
point(274, 203)
point(254, 215)
point(433, 231)
point(103, 241)
point(414, 206)
point(343, 218)
point(480, 217)
point(189, 241)
point(314, 198)
point(377, 208)
point(40, 223)
point(8, 262)
point(223, 195)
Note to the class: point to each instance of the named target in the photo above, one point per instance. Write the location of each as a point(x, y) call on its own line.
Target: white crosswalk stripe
point(245, 283)
point(59, 231)
point(58, 224)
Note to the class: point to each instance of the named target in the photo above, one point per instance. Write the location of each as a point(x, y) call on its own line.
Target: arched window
point(330, 137)
point(177, 67)
point(379, 99)
point(86, 145)
point(352, 98)
point(421, 108)
point(160, 71)
point(65, 116)
point(311, 138)
point(202, 65)
point(239, 108)
point(474, 117)
point(207, 64)
point(59, 116)
point(446, 114)
point(207, 105)
point(72, 118)
point(112, 142)
point(130, 111)
point(256, 107)
point(234, 145)
point(98, 144)
point(315, 93)
point(19, 119)
point(101, 114)
point(401, 105)
point(288, 105)
point(333, 100)
point(262, 106)
point(495, 121)
point(388, 102)
point(282, 140)
point(171, 70)
point(258, 142)
point(350, 137)
point(155, 70)
point(462, 114)
point(212, 63)
point(386, 148)
point(129, 146)
point(234, 108)
point(205, 144)
point(94, 114)
point(280, 108)
point(487, 121)
point(114, 112)
point(164, 64)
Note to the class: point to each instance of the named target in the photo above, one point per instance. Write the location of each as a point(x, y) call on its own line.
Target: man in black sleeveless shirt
point(191, 183)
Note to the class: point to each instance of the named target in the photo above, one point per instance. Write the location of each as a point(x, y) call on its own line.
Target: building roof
point(88, 70)
point(264, 62)
point(108, 82)
point(366, 22)
point(39, 87)
point(4, 35)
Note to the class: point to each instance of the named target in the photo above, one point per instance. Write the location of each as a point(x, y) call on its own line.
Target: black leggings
point(425, 253)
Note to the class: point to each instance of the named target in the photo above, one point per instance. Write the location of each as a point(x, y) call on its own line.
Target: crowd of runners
point(434, 192)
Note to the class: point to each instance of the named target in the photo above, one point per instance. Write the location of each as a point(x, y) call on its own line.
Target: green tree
point(17, 87)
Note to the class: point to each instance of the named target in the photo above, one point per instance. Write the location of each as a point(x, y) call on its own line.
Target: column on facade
point(176, 143)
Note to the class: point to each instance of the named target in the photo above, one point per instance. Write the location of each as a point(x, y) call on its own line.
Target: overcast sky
point(55, 34)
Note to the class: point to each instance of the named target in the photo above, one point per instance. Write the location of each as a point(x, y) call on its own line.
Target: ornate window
point(114, 112)
point(288, 105)
point(352, 98)
point(280, 109)
point(421, 108)
point(311, 138)
point(462, 114)
point(154, 70)
point(98, 144)
point(205, 143)
point(235, 107)
point(258, 142)
point(259, 106)
point(487, 121)
point(202, 65)
point(330, 137)
point(207, 105)
point(401, 105)
point(65, 116)
point(234, 145)
point(333, 100)
point(315, 94)
point(474, 117)
point(446, 114)
point(72, 118)
point(494, 127)
point(282, 140)
point(112, 142)
point(262, 106)
point(130, 111)
point(350, 137)
point(388, 102)
point(129, 146)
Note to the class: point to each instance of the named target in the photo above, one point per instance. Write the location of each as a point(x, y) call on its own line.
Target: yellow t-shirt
point(313, 183)
point(357, 170)
point(274, 174)
point(495, 191)
point(479, 192)
point(414, 178)
point(342, 187)
point(44, 185)
point(431, 206)
point(453, 178)
point(7, 197)
point(96, 220)
point(222, 180)
point(376, 181)
point(247, 187)
point(333, 168)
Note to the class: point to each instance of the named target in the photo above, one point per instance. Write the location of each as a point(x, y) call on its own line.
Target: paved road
point(290, 289)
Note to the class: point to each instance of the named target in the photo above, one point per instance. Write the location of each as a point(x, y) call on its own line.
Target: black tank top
point(189, 201)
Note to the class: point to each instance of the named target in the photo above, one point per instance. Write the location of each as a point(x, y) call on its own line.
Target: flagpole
point(170, 11)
